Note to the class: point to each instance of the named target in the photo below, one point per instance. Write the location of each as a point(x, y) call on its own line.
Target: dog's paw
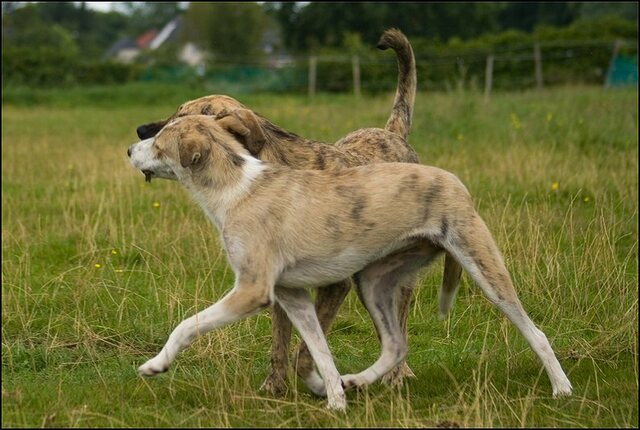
point(153, 367)
point(337, 402)
point(352, 381)
point(563, 389)
point(397, 375)
point(274, 385)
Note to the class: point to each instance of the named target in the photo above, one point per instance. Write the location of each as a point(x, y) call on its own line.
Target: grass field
point(98, 267)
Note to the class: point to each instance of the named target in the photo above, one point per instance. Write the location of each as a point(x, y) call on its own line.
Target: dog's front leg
point(299, 307)
point(328, 301)
point(250, 295)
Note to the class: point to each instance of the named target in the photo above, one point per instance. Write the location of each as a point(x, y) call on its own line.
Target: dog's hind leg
point(250, 295)
point(299, 307)
point(448, 290)
point(377, 288)
point(471, 243)
point(275, 383)
point(404, 294)
point(328, 301)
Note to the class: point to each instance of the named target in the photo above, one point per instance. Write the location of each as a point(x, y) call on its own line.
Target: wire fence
point(511, 67)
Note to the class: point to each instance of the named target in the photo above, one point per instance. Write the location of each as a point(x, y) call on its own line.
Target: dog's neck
point(217, 195)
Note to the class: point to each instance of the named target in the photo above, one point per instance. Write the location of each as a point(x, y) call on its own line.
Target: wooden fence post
point(313, 63)
point(537, 56)
point(488, 77)
point(355, 66)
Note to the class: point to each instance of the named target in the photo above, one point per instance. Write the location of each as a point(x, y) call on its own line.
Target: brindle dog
point(273, 144)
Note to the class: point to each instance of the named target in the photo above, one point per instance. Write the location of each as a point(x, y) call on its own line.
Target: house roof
point(146, 38)
point(151, 39)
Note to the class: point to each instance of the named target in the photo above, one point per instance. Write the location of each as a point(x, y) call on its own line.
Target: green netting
point(624, 71)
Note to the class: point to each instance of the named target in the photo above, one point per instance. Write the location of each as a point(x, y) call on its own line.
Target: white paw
point(153, 367)
point(562, 390)
point(337, 402)
point(350, 381)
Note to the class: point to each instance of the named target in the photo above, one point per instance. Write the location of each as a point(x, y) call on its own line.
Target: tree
point(626, 10)
point(63, 26)
point(227, 29)
point(326, 24)
point(29, 27)
point(527, 15)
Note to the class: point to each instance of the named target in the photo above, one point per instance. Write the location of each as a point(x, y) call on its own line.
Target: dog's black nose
point(129, 152)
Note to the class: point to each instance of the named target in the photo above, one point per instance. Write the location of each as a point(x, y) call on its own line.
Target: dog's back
point(333, 223)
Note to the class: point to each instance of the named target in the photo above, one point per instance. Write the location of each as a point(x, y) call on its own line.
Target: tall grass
point(98, 267)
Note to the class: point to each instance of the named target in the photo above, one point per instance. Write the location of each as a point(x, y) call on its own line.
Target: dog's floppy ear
point(147, 131)
point(192, 153)
point(245, 126)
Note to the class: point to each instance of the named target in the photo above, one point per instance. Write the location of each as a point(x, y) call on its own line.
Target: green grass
point(73, 334)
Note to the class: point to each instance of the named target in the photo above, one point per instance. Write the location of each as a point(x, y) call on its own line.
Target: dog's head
point(198, 147)
point(217, 106)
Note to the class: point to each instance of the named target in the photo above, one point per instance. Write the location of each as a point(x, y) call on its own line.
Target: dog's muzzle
point(148, 174)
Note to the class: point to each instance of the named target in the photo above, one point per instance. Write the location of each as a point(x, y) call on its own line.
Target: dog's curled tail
point(400, 119)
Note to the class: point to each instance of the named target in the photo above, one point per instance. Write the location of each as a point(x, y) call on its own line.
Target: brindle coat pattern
point(371, 145)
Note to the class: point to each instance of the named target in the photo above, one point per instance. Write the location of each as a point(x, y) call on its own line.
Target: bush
point(46, 66)
point(41, 66)
point(107, 72)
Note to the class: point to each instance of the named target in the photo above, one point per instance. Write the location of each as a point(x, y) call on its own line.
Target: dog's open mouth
point(147, 175)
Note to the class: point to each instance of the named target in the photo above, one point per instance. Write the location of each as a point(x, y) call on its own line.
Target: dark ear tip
point(147, 131)
point(141, 131)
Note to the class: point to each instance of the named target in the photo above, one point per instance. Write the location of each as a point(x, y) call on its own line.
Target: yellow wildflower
point(114, 252)
point(97, 265)
point(460, 137)
point(555, 186)
point(156, 204)
point(586, 199)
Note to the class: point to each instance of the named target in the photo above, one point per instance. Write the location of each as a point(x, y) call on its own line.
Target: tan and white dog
point(286, 230)
point(273, 144)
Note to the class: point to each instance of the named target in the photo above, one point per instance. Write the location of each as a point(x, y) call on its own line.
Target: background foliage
point(60, 43)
